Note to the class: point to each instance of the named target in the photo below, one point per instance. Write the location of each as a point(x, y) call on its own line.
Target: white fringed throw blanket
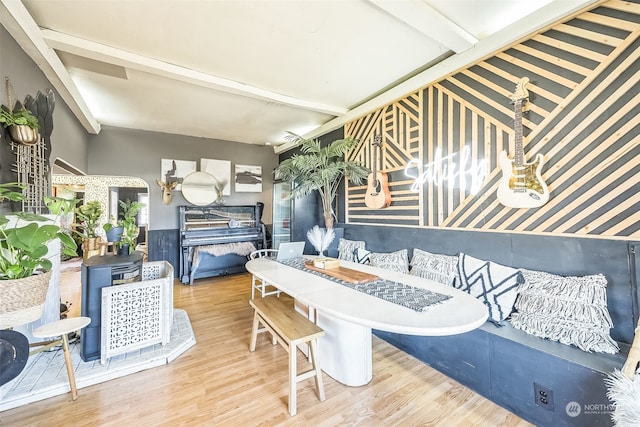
point(238, 248)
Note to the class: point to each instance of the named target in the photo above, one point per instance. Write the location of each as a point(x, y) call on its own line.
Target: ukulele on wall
point(377, 195)
point(521, 185)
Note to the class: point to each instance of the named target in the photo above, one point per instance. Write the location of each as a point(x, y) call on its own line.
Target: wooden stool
point(61, 328)
point(289, 328)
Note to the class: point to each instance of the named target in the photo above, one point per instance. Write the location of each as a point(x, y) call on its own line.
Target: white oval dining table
point(348, 315)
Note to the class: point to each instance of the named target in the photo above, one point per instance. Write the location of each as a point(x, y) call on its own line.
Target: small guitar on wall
point(521, 185)
point(377, 195)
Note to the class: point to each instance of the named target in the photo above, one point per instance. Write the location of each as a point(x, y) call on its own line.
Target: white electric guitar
point(521, 185)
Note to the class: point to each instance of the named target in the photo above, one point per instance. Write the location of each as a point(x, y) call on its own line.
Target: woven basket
point(91, 247)
point(22, 300)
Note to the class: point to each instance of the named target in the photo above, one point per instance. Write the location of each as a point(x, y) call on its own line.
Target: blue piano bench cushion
point(494, 284)
point(571, 310)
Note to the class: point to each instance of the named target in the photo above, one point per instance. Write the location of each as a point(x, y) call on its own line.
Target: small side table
point(61, 328)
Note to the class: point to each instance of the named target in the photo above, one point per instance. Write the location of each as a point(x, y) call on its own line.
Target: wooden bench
point(289, 328)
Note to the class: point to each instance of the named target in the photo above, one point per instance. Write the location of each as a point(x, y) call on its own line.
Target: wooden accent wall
point(583, 116)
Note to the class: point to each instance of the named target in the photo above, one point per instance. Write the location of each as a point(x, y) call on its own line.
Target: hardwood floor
point(219, 382)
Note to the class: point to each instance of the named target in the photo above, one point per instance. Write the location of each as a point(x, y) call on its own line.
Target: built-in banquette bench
point(504, 363)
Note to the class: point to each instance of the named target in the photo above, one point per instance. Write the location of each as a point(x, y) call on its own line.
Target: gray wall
point(118, 151)
point(69, 138)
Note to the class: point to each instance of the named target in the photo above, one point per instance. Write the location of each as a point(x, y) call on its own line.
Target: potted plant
point(24, 269)
point(128, 222)
point(322, 169)
point(22, 124)
point(113, 230)
point(88, 216)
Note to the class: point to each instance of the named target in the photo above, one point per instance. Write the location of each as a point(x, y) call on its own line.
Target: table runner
point(417, 299)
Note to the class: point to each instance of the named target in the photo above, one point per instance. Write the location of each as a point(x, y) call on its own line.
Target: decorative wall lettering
point(456, 170)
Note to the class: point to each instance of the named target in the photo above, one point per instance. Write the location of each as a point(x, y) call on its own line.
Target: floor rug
point(46, 376)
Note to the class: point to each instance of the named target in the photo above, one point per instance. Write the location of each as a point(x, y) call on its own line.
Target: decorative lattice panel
point(583, 116)
point(139, 314)
point(32, 171)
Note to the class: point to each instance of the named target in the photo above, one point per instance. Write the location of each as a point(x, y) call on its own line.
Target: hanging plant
point(22, 124)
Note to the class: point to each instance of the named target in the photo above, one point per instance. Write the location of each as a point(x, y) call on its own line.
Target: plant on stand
point(88, 215)
point(25, 271)
point(130, 227)
point(113, 230)
point(322, 169)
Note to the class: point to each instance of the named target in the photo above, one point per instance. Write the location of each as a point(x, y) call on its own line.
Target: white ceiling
point(250, 70)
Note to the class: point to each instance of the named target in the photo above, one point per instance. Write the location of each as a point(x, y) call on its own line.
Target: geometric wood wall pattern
point(583, 116)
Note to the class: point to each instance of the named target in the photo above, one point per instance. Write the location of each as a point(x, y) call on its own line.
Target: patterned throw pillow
point(346, 248)
point(494, 284)
point(394, 261)
point(437, 267)
point(571, 310)
point(362, 256)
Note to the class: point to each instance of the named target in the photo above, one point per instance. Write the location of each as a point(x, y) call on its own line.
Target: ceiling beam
point(101, 52)
point(18, 22)
point(539, 20)
point(428, 21)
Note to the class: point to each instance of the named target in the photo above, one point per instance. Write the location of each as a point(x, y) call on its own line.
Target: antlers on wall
point(166, 190)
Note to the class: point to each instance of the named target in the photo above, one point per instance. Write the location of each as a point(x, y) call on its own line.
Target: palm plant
point(322, 169)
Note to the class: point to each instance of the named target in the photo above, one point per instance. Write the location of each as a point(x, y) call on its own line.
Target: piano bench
point(289, 328)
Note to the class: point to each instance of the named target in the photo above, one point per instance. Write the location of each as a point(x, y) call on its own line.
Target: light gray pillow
point(437, 267)
point(346, 248)
point(394, 261)
point(571, 310)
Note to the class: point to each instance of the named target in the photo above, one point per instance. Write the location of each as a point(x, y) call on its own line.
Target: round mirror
point(198, 188)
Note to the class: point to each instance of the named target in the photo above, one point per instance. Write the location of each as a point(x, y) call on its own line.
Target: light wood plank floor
point(219, 382)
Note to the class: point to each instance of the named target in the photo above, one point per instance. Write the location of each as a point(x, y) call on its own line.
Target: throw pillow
point(362, 256)
point(346, 248)
point(437, 267)
point(571, 310)
point(494, 284)
point(394, 261)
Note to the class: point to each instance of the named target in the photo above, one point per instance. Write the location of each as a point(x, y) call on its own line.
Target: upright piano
point(209, 236)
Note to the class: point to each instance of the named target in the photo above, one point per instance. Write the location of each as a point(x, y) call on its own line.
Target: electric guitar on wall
point(521, 185)
point(377, 195)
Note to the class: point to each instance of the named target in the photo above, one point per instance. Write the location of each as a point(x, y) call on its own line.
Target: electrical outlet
point(543, 396)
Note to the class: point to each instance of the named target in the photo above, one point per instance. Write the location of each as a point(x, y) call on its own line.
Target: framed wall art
point(248, 178)
point(221, 171)
point(175, 170)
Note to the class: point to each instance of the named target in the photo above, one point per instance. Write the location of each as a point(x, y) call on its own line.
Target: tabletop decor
point(321, 238)
point(417, 299)
point(344, 274)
